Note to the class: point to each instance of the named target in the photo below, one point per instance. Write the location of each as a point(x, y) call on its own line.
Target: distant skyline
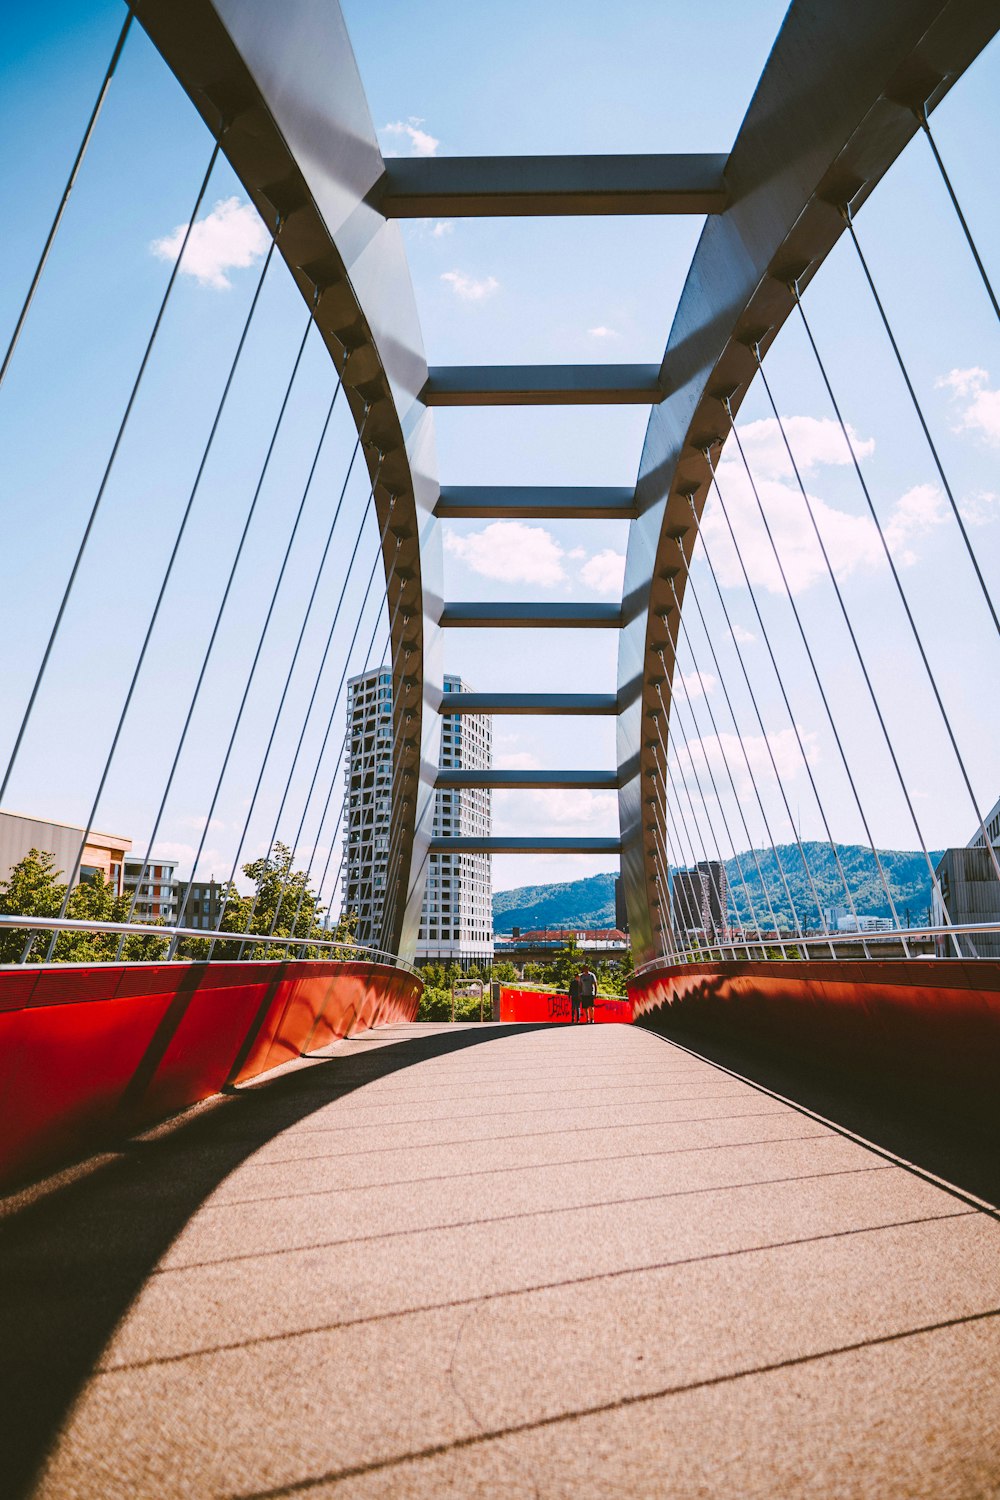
point(453, 80)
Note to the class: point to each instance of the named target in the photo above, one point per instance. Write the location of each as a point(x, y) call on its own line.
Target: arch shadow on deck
point(74, 1258)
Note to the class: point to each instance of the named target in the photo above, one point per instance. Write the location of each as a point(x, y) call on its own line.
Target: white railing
point(357, 952)
point(775, 948)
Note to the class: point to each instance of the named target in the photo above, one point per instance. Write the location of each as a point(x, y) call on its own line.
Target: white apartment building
point(368, 793)
point(457, 919)
point(456, 924)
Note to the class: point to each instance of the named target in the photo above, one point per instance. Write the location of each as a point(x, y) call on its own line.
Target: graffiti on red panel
point(539, 1006)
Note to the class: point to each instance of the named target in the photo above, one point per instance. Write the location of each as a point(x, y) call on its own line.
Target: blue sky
point(448, 80)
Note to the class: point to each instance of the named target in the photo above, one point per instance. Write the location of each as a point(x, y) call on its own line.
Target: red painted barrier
point(543, 1006)
point(929, 1029)
point(88, 1055)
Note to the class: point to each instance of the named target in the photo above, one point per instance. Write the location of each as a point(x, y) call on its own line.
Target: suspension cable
point(660, 842)
point(319, 677)
point(694, 923)
point(708, 764)
point(396, 836)
point(713, 879)
point(291, 671)
point(234, 566)
point(67, 190)
point(336, 700)
point(725, 759)
point(668, 936)
point(935, 884)
point(921, 114)
point(922, 420)
point(154, 616)
point(259, 648)
point(340, 815)
point(801, 628)
point(343, 745)
point(795, 727)
point(918, 639)
point(692, 590)
point(74, 570)
point(691, 858)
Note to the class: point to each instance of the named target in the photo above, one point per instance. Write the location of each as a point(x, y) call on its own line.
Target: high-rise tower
point(456, 923)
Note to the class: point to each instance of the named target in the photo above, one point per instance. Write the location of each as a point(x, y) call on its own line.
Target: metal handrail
point(145, 929)
point(894, 935)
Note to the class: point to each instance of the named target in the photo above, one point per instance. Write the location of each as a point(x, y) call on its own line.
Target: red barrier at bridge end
point(90, 1055)
point(527, 1005)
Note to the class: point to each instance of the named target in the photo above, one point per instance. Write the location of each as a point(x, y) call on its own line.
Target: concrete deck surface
point(503, 1261)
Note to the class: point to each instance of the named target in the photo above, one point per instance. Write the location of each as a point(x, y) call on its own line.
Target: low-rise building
point(701, 900)
point(103, 853)
point(558, 937)
point(158, 895)
point(202, 904)
point(967, 889)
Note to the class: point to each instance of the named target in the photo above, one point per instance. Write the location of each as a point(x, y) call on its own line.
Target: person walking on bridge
point(588, 992)
point(574, 999)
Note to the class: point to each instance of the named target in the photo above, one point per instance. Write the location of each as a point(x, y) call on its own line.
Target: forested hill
point(591, 902)
point(575, 903)
point(905, 870)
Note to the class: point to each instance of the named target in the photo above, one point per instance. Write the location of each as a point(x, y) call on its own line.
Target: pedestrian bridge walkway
point(501, 1260)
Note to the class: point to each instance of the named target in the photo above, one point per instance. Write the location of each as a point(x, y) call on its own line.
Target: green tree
point(613, 975)
point(504, 972)
point(97, 900)
point(435, 1004)
point(564, 964)
point(282, 901)
point(33, 888)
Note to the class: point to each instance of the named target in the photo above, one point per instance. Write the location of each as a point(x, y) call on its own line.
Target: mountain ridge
point(590, 901)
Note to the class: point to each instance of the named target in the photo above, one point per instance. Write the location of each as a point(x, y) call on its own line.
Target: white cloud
point(605, 572)
point(441, 228)
point(469, 288)
point(516, 760)
point(814, 441)
point(602, 332)
point(520, 553)
point(977, 402)
point(554, 807)
point(511, 551)
point(916, 513)
point(744, 637)
point(420, 141)
point(230, 238)
point(699, 683)
point(981, 507)
point(715, 750)
point(851, 541)
point(212, 860)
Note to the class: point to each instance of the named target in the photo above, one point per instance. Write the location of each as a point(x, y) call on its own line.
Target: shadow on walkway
point(885, 1111)
point(72, 1262)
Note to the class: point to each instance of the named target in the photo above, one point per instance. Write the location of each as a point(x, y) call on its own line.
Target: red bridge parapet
point(90, 1055)
point(924, 1031)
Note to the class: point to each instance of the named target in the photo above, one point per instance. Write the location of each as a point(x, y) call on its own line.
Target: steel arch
point(281, 86)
